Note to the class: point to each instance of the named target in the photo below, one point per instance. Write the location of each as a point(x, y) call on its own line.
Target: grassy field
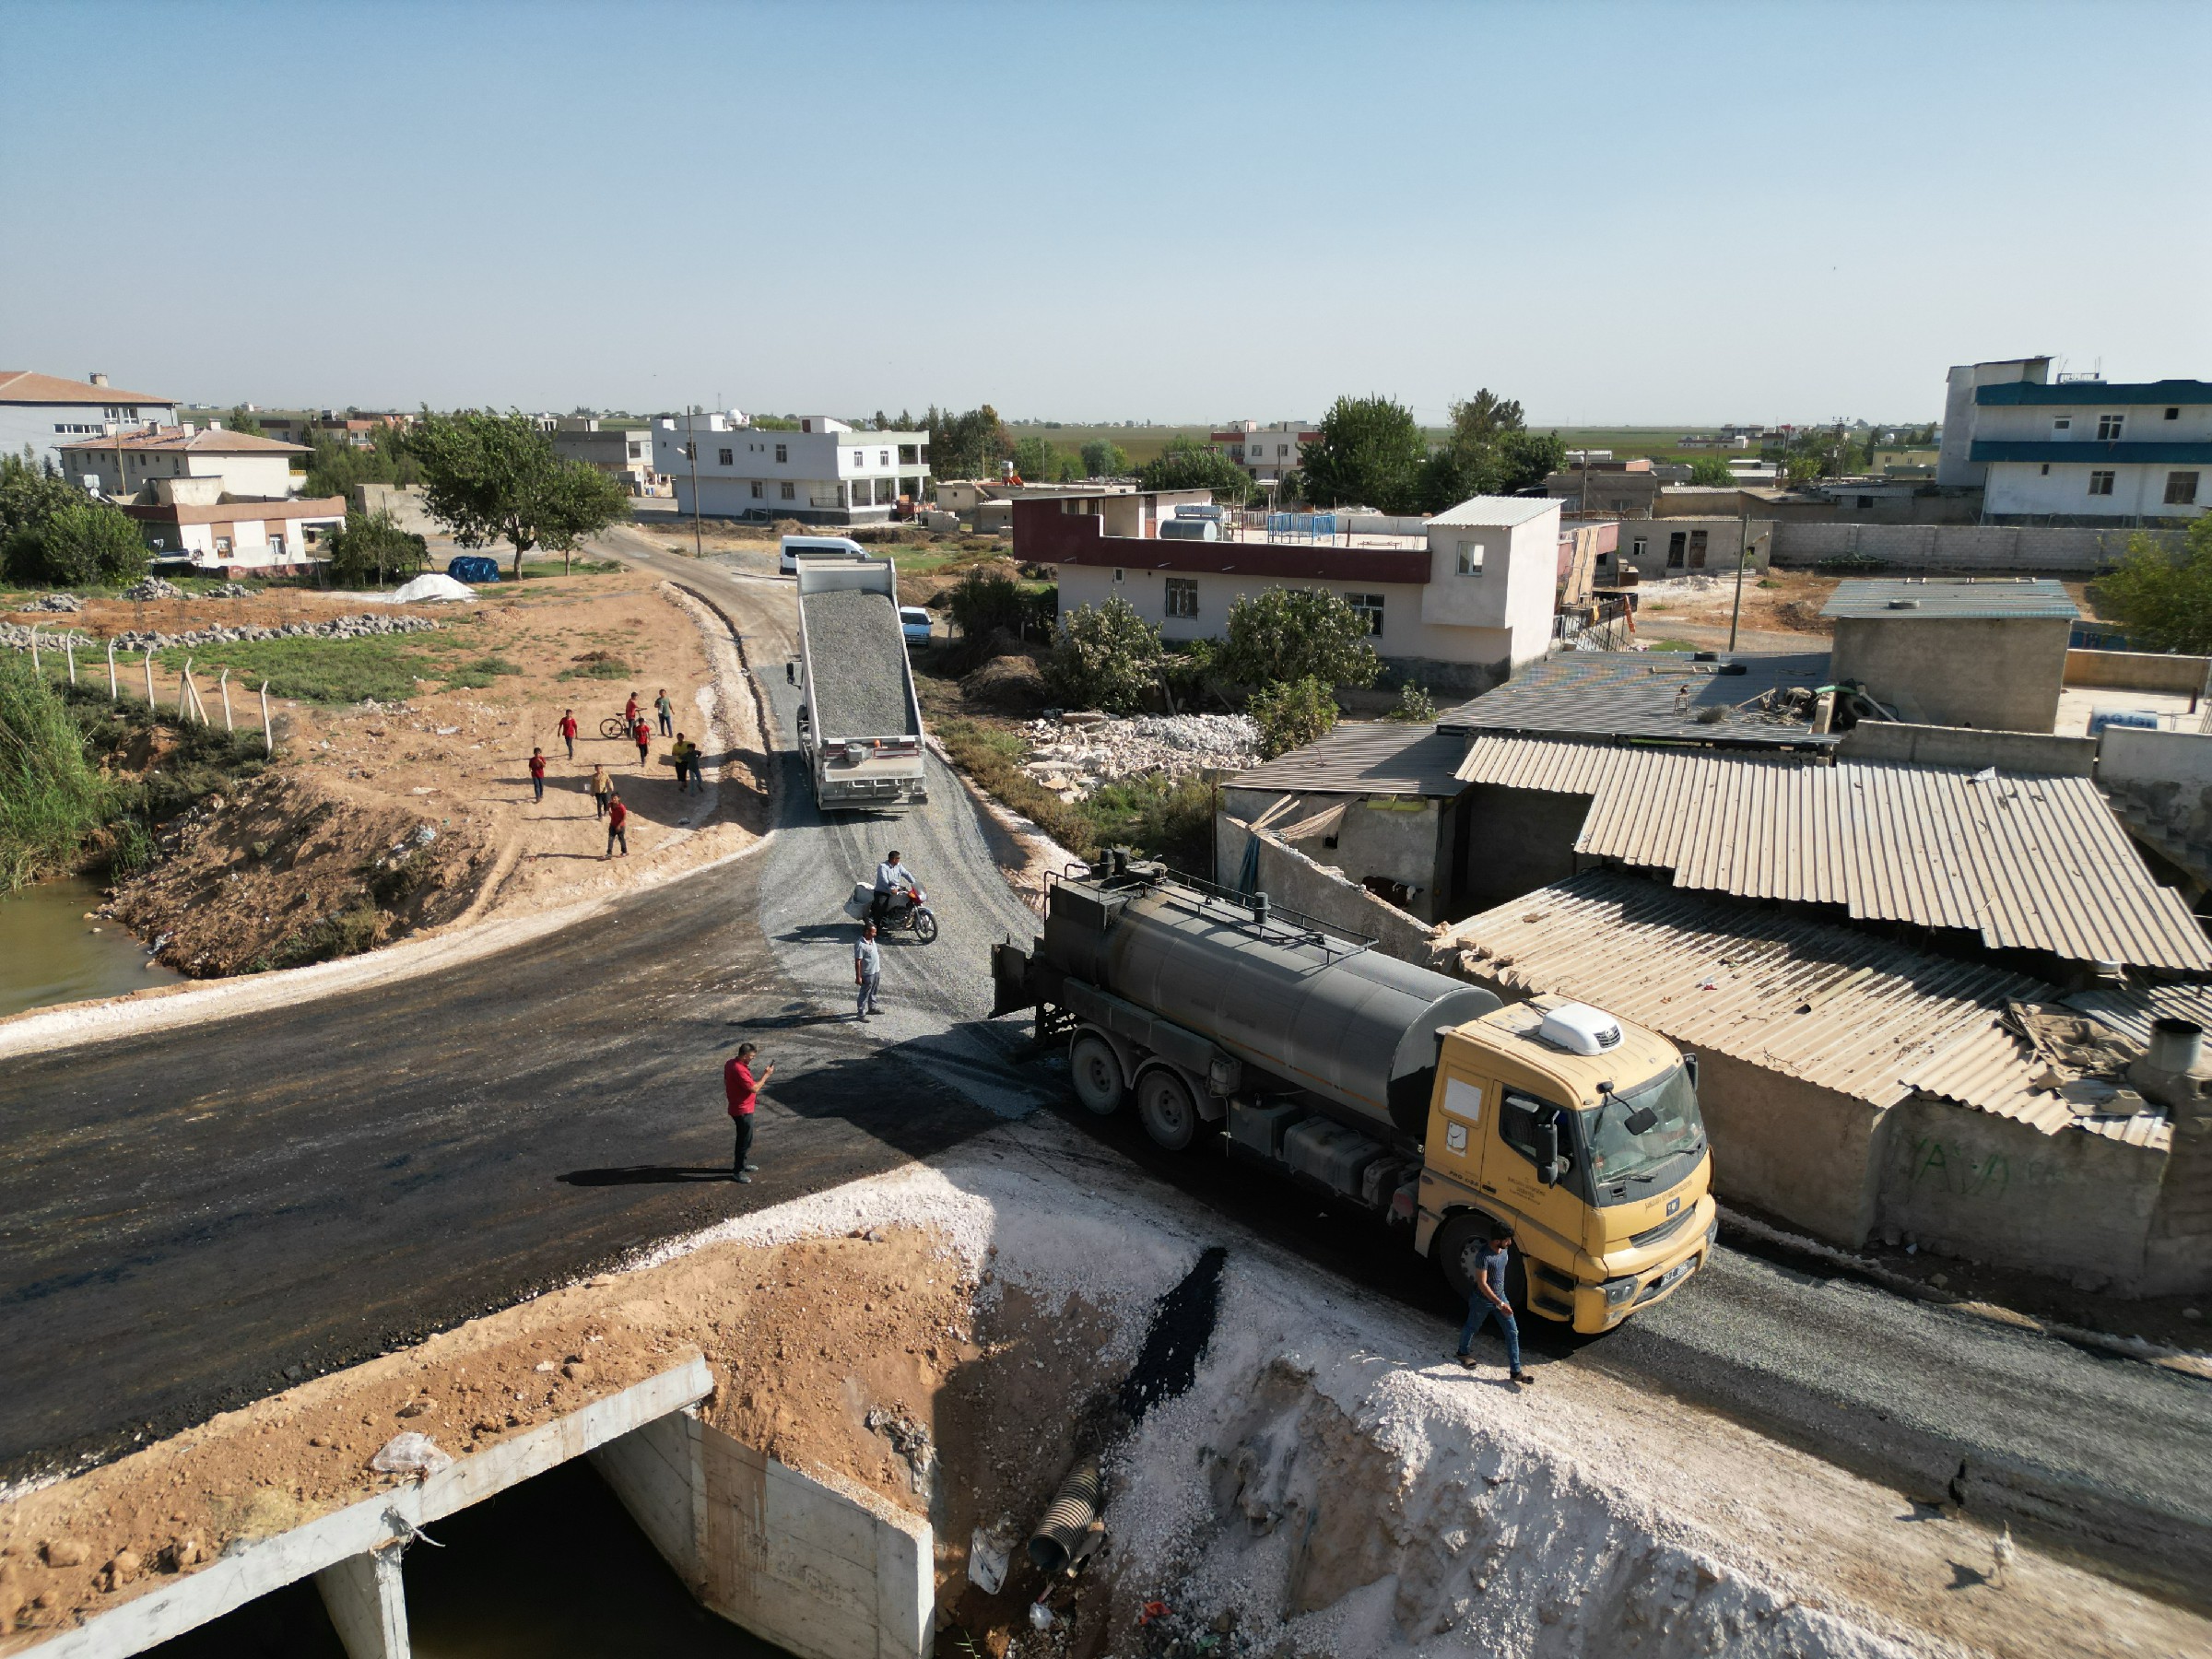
point(1141, 444)
point(384, 666)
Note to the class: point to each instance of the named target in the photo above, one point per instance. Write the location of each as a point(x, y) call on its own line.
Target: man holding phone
point(742, 1085)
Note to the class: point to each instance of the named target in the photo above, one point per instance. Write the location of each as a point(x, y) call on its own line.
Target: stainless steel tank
point(1353, 1025)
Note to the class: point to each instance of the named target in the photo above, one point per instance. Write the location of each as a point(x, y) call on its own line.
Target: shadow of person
point(1966, 1578)
point(817, 933)
point(644, 1175)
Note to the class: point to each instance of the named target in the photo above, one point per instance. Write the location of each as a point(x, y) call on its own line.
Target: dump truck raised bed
point(860, 723)
point(1386, 1085)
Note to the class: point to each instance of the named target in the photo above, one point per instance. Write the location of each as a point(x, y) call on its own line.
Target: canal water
point(49, 953)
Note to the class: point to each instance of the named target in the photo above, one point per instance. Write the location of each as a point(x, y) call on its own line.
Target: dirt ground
point(1781, 612)
point(421, 810)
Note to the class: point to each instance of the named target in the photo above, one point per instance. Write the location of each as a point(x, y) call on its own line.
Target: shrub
point(1415, 706)
point(51, 799)
point(1158, 816)
point(79, 543)
point(1105, 658)
point(2160, 596)
point(984, 602)
point(369, 547)
point(346, 933)
point(1292, 713)
point(476, 676)
point(597, 665)
point(1294, 634)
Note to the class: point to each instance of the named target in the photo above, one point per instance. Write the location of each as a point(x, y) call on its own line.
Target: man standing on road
point(567, 729)
point(537, 771)
point(743, 1088)
point(889, 879)
point(617, 826)
point(642, 734)
point(867, 970)
point(603, 790)
point(1489, 1299)
point(630, 711)
point(667, 711)
point(685, 753)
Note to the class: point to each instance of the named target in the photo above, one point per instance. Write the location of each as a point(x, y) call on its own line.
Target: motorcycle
point(908, 912)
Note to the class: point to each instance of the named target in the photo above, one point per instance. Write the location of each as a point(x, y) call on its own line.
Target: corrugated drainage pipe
point(1074, 1508)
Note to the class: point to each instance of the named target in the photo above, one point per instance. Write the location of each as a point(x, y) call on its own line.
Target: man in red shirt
point(567, 729)
point(642, 734)
point(630, 714)
point(537, 771)
point(617, 819)
point(744, 1091)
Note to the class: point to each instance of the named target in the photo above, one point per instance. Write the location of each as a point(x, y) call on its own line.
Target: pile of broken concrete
point(1075, 754)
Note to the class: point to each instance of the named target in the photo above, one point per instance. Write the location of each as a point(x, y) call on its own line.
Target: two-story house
point(42, 412)
point(2078, 450)
point(824, 472)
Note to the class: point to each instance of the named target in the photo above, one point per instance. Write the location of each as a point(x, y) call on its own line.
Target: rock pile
point(1074, 755)
point(56, 601)
point(337, 628)
point(152, 587)
point(231, 590)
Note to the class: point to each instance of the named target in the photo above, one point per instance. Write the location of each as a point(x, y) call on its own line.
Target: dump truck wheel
point(1095, 1073)
point(1165, 1108)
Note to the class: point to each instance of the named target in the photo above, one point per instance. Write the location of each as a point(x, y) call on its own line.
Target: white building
point(42, 412)
point(1460, 601)
point(244, 464)
point(223, 534)
point(1265, 451)
point(2077, 450)
point(825, 472)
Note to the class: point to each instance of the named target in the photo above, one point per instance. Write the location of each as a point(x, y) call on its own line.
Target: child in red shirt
point(537, 771)
point(617, 818)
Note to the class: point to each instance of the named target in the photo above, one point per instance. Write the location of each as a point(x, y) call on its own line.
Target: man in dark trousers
point(617, 826)
point(1489, 1299)
point(567, 729)
point(667, 711)
point(743, 1088)
point(537, 771)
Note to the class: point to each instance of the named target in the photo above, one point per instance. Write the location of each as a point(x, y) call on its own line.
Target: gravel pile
point(56, 601)
point(152, 587)
point(231, 590)
point(337, 628)
point(1073, 760)
point(859, 661)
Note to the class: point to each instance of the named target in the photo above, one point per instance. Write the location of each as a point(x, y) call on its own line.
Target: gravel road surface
point(857, 655)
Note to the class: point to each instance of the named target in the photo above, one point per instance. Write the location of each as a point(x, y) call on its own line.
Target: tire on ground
point(925, 927)
point(1166, 1107)
point(1096, 1073)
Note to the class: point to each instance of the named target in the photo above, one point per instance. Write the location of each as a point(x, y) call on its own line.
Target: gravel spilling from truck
point(859, 665)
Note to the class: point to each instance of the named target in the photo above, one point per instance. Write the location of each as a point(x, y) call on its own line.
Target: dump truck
point(1301, 1050)
point(860, 723)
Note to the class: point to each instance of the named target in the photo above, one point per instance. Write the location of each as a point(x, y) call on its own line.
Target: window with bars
point(1182, 596)
point(1369, 606)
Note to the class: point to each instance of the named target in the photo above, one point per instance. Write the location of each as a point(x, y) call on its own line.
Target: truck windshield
point(1619, 1155)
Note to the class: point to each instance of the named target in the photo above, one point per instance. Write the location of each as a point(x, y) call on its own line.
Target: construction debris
point(1075, 754)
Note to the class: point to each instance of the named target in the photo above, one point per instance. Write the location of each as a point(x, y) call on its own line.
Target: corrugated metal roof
point(1383, 757)
point(1648, 694)
point(1497, 511)
point(2029, 862)
point(2129, 1010)
point(1949, 598)
point(1867, 1018)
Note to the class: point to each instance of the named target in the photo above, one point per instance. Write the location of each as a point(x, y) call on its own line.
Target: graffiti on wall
point(1958, 1173)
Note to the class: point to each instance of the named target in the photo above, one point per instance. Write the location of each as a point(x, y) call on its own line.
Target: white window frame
point(1470, 558)
point(2101, 481)
point(2064, 423)
point(788, 491)
point(2174, 499)
point(2110, 427)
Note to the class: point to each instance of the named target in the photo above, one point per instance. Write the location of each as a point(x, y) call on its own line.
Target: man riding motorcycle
point(891, 877)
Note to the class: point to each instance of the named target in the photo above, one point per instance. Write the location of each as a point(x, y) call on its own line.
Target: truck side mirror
point(1689, 1064)
point(1547, 1147)
point(1642, 1120)
point(791, 672)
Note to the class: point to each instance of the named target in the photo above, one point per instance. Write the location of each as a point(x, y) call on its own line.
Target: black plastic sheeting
point(1182, 1326)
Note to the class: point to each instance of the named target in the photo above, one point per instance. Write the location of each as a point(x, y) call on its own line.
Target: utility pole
point(691, 449)
point(1743, 554)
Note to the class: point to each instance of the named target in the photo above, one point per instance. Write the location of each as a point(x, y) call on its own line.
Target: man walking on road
point(565, 727)
point(602, 789)
point(743, 1088)
point(867, 970)
point(667, 711)
point(1489, 1299)
point(685, 753)
point(642, 734)
point(537, 771)
point(617, 826)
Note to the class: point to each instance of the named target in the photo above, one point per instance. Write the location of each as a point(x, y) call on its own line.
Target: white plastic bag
point(415, 1454)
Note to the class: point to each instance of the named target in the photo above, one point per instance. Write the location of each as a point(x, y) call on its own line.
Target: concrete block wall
point(1289, 878)
point(1967, 547)
point(2138, 671)
point(2029, 752)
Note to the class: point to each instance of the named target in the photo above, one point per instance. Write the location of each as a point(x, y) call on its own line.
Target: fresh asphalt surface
point(194, 1219)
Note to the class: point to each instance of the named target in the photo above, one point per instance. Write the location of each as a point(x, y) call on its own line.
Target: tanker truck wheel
point(1165, 1108)
point(1095, 1073)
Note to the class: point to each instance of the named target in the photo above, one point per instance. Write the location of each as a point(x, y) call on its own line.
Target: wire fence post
point(223, 686)
point(34, 647)
point(114, 692)
point(69, 644)
point(184, 690)
point(269, 741)
point(150, 709)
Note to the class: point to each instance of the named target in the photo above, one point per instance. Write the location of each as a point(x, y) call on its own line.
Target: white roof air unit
point(1580, 1029)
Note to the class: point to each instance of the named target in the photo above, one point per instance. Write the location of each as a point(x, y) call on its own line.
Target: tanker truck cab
point(1582, 1132)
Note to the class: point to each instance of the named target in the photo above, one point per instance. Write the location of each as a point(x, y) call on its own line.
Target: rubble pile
point(1075, 754)
point(152, 587)
point(337, 628)
point(56, 601)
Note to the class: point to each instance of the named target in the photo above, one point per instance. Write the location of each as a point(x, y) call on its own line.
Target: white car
point(913, 622)
point(832, 546)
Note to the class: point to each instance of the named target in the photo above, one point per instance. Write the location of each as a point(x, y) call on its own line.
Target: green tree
point(1414, 705)
point(1105, 459)
point(1820, 453)
point(1526, 459)
point(984, 602)
point(1040, 461)
point(79, 543)
point(492, 477)
point(1189, 464)
point(369, 547)
point(966, 446)
point(1292, 713)
point(1104, 656)
point(31, 492)
point(241, 421)
point(1369, 453)
point(336, 467)
point(1711, 471)
point(2163, 598)
point(1287, 633)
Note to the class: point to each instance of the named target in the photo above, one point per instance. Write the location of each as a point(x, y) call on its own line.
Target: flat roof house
point(43, 412)
point(1265, 451)
point(1457, 601)
point(244, 463)
point(1985, 653)
point(823, 473)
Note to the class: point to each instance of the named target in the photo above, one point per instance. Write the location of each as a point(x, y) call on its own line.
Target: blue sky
point(1616, 213)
